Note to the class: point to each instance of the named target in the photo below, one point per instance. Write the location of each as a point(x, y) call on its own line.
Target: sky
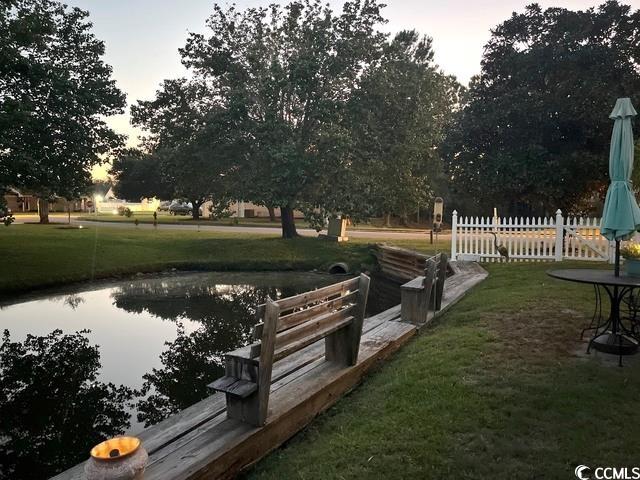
point(142, 37)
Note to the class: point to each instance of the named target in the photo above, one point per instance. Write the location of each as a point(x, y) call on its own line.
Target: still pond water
point(127, 355)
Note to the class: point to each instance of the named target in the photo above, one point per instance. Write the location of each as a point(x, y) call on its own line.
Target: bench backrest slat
point(316, 324)
point(303, 342)
point(304, 299)
point(399, 263)
point(296, 318)
point(324, 306)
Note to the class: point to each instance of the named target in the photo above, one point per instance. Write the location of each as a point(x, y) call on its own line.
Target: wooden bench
point(334, 313)
point(399, 264)
point(425, 291)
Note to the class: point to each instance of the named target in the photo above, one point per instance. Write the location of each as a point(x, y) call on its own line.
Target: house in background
point(243, 209)
point(24, 202)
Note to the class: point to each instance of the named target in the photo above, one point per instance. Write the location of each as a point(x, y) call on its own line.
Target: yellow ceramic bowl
point(115, 448)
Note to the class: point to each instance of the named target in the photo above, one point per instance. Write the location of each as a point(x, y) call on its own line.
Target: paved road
point(353, 233)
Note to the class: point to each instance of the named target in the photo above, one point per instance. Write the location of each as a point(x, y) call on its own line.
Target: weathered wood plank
point(302, 299)
point(441, 277)
point(271, 314)
point(296, 318)
point(234, 386)
point(290, 348)
point(355, 330)
point(313, 327)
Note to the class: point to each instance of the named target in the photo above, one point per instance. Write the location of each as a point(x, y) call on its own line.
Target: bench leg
point(442, 276)
point(343, 346)
point(338, 347)
point(414, 306)
point(244, 409)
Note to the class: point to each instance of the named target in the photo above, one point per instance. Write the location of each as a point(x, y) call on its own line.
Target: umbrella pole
point(617, 265)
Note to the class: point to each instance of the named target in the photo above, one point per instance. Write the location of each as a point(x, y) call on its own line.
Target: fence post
point(612, 251)
point(454, 235)
point(559, 235)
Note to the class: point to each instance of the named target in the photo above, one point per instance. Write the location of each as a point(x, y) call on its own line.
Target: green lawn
point(498, 389)
point(36, 256)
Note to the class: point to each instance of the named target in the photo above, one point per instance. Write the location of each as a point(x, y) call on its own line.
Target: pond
point(82, 364)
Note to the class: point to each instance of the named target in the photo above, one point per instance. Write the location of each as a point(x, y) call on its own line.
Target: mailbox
point(438, 211)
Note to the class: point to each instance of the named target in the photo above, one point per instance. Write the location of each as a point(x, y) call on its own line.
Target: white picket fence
point(529, 239)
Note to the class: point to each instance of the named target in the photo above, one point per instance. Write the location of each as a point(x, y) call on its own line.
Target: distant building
point(19, 201)
point(242, 209)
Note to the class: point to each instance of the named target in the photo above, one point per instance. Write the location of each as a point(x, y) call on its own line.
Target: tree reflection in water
point(52, 408)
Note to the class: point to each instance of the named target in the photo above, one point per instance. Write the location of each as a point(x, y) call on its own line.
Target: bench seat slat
point(234, 386)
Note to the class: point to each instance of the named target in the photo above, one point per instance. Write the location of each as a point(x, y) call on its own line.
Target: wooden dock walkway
point(202, 443)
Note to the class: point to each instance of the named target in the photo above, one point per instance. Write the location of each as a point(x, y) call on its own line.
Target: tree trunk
point(288, 222)
point(404, 221)
point(195, 210)
point(272, 214)
point(387, 220)
point(43, 209)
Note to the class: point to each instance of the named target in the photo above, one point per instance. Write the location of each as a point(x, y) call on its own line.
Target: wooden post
point(416, 295)
point(359, 314)
point(343, 345)
point(454, 235)
point(442, 276)
point(271, 314)
point(254, 408)
point(559, 235)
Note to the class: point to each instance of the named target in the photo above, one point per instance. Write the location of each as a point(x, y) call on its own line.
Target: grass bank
point(499, 388)
point(37, 256)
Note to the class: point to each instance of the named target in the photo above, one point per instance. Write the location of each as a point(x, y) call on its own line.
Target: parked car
point(182, 208)
point(4, 212)
point(179, 208)
point(164, 206)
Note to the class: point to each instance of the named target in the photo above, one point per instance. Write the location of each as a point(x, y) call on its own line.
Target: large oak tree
point(286, 74)
point(194, 142)
point(55, 92)
point(533, 133)
point(397, 121)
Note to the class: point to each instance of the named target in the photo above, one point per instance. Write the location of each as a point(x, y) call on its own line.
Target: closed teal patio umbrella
point(621, 215)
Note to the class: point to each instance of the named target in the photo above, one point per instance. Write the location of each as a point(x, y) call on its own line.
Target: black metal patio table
point(611, 335)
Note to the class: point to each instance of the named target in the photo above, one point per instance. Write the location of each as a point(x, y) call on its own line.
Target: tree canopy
point(534, 131)
point(397, 119)
point(284, 75)
point(55, 92)
point(195, 142)
point(272, 112)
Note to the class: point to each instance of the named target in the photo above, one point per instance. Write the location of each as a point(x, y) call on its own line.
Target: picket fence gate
point(529, 239)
